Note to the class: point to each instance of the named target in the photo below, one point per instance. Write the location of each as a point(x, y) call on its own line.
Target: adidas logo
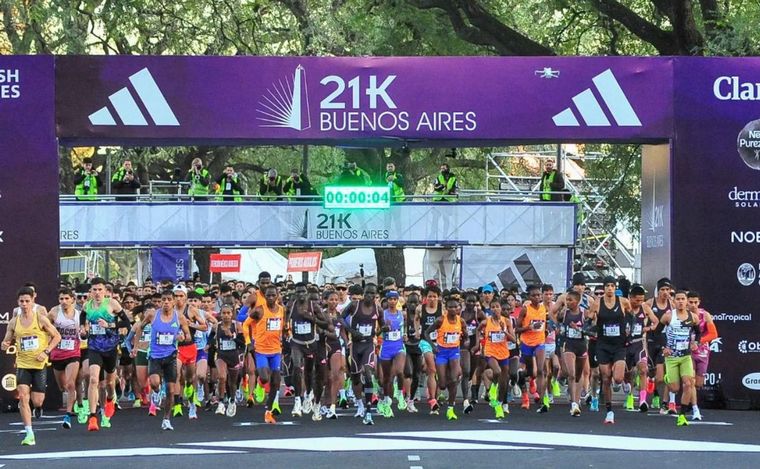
point(127, 109)
point(286, 103)
point(591, 111)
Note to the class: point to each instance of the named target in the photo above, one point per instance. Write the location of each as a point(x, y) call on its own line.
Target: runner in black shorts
point(641, 321)
point(362, 319)
point(332, 338)
point(413, 365)
point(660, 305)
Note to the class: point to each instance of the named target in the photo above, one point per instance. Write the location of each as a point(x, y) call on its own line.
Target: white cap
point(180, 289)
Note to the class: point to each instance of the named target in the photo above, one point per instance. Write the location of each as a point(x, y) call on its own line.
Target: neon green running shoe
point(494, 403)
point(401, 402)
point(629, 402)
point(682, 422)
point(29, 440)
point(493, 392)
point(556, 390)
point(189, 391)
point(450, 415)
point(105, 422)
point(656, 402)
point(259, 393)
point(276, 408)
point(498, 411)
point(546, 401)
point(177, 410)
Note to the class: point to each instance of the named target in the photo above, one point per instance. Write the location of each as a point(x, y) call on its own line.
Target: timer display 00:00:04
point(357, 197)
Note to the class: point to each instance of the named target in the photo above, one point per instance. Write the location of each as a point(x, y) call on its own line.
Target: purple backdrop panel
point(716, 209)
point(28, 187)
point(332, 99)
point(171, 264)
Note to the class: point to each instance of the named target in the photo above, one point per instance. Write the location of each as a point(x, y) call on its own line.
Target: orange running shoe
point(110, 408)
point(92, 424)
point(533, 386)
point(269, 417)
point(525, 401)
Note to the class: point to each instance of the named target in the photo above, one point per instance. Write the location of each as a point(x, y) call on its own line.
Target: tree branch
point(662, 40)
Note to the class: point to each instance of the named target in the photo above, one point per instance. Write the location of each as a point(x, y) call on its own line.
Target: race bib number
point(451, 338)
point(165, 339)
point(537, 325)
point(365, 330)
point(429, 320)
point(145, 336)
point(498, 337)
point(637, 329)
point(30, 343)
point(199, 335)
point(682, 344)
point(612, 330)
point(471, 329)
point(303, 328)
point(573, 333)
point(511, 346)
point(394, 335)
point(67, 344)
point(434, 335)
point(97, 329)
point(274, 324)
point(227, 345)
point(228, 186)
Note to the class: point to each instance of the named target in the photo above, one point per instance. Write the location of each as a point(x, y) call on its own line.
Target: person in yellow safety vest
point(199, 179)
point(86, 181)
point(445, 187)
point(353, 176)
point(551, 181)
point(229, 186)
point(125, 182)
point(297, 185)
point(270, 186)
point(395, 182)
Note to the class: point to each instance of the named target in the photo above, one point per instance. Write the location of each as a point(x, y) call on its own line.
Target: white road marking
point(415, 467)
point(353, 444)
point(413, 457)
point(256, 424)
point(720, 424)
point(34, 424)
point(580, 440)
point(36, 429)
point(108, 453)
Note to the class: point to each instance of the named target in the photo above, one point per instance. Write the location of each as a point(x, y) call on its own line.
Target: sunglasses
point(341, 288)
point(598, 293)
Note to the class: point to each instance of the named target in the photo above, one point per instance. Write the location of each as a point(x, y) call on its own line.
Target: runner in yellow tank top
point(34, 337)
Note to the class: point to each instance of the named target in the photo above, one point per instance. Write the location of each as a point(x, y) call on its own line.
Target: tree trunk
point(202, 257)
point(390, 263)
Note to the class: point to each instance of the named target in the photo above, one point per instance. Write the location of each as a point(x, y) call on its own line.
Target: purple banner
point(655, 214)
point(310, 99)
point(28, 189)
point(170, 264)
point(716, 208)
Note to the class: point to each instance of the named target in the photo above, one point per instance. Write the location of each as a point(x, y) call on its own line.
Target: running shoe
point(239, 397)
point(629, 406)
point(388, 411)
point(368, 419)
point(655, 401)
point(467, 406)
point(276, 408)
point(650, 386)
point(499, 412)
point(200, 393)
point(556, 390)
point(331, 415)
point(316, 416)
point(359, 411)
point(92, 424)
point(401, 403)
point(532, 386)
point(644, 407)
point(493, 392)
point(192, 414)
point(410, 407)
point(663, 411)
point(76, 407)
point(82, 416)
point(696, 415)
point(543, 409)
point(380, 407)
point(269, 418)
point(259, 394)
point(343, 403)
point(188, 391)
point(536, 398)
point(626, 387)
point(516, 391)
point(307, 405)
point(231, 409)
point(616, 387)
point(682, 422)
point(152, 410)
point(166, 425)
point(105, 422)
point(66, 421)
point(672, 408)
point(434, 406)
point(177, 410)
point(594, 404)
point(29, 440)
point(37, 413)
point(525, 402)
point(450, 414)
point(547, 402)
point(220, 410)
point(374, 399)
point(575, 410)
point(610, 419)
point(505, 408)
point(297, 408)
point(110, 408)
point(137, 404)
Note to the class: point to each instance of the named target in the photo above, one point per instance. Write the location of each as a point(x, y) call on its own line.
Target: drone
point(547, 72)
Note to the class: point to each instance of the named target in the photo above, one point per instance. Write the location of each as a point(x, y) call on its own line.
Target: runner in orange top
point(531, 325)
point(497, 331)
point(268, 331)
point(451, 331)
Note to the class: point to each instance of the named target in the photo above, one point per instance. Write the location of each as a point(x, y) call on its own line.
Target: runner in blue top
point(392, 353)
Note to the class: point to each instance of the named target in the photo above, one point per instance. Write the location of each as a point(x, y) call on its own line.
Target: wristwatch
point(46, 352)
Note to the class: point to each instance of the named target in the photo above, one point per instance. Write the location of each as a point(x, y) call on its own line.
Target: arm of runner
point(184, 325)
point(200, 322)
point(712, 331)
point(435, 326)
point(8, 339)
point(520, 319)
point(557, 307)
point(653, 321)
point(55, 336)
point(464, 337)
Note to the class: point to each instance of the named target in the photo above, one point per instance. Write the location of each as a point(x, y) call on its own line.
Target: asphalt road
point(723, 439)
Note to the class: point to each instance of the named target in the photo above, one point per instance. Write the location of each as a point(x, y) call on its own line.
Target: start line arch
point(700, 193)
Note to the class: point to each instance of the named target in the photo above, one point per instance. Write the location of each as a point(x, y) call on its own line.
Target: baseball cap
point(487, 288)
point(179, 289)
point(392, 294)
point(431, 283)
point(579, 279)
point(664, 282)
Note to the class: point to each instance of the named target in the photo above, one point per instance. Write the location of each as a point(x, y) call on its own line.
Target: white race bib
point(637, 329)
point(97, 329)
point(682, 344)
point(228, 186)
point(511, 346)
point(227, 345)
point(365, 329)
point(303, 328)
point(498, 337)
point(537, 325)
point(165, 339)
point(612, 330)
point(30, 343)
point(574, 333)
point(433, 335)
point(471, 329)
point(67, 344)
point(274, 324)
point(145, 336)
point(394, 335)
point(451, 338)
point(199, 335)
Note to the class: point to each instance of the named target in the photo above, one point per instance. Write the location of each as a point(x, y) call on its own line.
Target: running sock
point(642, 396)
point(672, 397)
point(608, 405)
point(694, 408)
point(28, 429)
point(474, 389)
point(342, 394)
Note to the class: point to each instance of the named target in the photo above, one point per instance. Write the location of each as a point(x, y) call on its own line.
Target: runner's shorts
point(35, 379)
point(445, 355)
point(678, 367)
point(362, 354)
point(202, 355)
point(187, 354)
point(576, 346)
point(634, 354)
point(425, 347)
point(60, 365)
point(389, 350)
point(166, 367)
point(105, 360)
point(608, 354)
point(502, 363)
point(654, 351)
point(701, 360)
point(273, 361)
point(549, 350)
point(530, 351)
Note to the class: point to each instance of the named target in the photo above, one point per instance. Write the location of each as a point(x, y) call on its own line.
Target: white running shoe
point(331, 415)
point(696, 415)
point(192, 414)
point(359, 411)
point(516, 392)
point(166, 425)
point(220, 409)
point(231, 409)
point(297, 408)
point(626, 388)
point(307, 405)
point(575, 410)
point(200, 393)
point(316, 416)
point(610, 417)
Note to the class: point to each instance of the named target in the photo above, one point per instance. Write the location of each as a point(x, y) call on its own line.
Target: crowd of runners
point(179, 349)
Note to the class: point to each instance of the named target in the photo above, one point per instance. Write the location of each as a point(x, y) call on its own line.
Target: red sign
point(225, 263)
point(304, 261)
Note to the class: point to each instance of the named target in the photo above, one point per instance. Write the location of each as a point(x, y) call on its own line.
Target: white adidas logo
point(127, 109)
point(591, 111)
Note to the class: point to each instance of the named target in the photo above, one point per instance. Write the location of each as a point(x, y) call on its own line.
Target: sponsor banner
point(716, 204)
point(286, 99)
point(170, 264)
point(28, 188)
point(225, 263)
point(214, 224)
point(655, 214)
point(515, 267)
point(304, 261)
point(752, 381)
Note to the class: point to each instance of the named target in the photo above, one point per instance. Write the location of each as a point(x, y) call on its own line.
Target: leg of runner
point(93, 394)
point(397, 372)
point(541, 377)
point(232, 380)
point(432, 384)
point(453, 374)
point(24, 397)
point(573, 382)
point(337, 377)
point(68, 385)
point(465, 362)
point(412, 369)
point(221, 370)
point(491, 379)
point(700, 369)
point(83, 383)
point(297, 358)
point(310, 379)
point(605, 369)
point(201, 373)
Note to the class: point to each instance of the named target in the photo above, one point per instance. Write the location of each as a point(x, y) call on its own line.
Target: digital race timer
point(357, 197)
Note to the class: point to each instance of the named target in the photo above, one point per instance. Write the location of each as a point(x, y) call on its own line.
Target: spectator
point(395, 182)
point(199, 179)
point(125, 181)
point(86, 181)
point(353, 176)
point(270, 186)
point(229, 186)
point(552, 183)
point(445, 187)
point(297, 185)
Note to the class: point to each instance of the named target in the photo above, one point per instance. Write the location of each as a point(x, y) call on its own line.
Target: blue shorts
point(445, 355)
point(502, 363)
point(528, 351)
point(425, 347)
point(271, 361)
point(389, 350)
point(202, 355)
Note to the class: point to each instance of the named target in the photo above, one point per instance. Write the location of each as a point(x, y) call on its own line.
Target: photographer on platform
point(297, 185)
point(199, 179)
point(270, 186)
point(229, 186)
point(125, 181)
point(87, 181)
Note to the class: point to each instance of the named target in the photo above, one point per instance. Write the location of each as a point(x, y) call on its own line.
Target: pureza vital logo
point(286, 103)
point(127, 109)
point(748, 144)
point(591, 110)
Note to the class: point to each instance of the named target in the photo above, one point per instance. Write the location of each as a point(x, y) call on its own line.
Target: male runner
point(303, 319)
point(472, 315)
point(34, 338)
point(551, 358)
point(333, 338)
point(362, 320)
point(660, 305)
point(531, 325)
point(425, 317)
point(65, 357)
point(188, 353)
point(701, 357)
point(413, 365)
point(268, 331)
point(641, 322)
